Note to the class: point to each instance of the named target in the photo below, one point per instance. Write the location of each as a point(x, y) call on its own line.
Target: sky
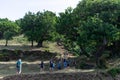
point(15, 9)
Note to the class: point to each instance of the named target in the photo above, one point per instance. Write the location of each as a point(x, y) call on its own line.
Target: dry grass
point(21, 43)
point(77, 75)
point(9, 68)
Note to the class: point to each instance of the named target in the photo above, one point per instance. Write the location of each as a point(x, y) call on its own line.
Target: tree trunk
point(99, 54)
point(40, 43)
point(32, 43)
point(6, 42)
point(100, 51)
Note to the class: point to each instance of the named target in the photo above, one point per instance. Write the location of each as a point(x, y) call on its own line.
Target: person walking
point(19, 66)
point(52, 65)
point(65, 63)
point(59, 65)
point(41, 66)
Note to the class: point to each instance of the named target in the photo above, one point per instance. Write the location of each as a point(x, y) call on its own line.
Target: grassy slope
point(21, 43)
point(8, 68)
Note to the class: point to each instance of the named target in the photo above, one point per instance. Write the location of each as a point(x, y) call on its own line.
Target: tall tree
point(66, 27)
point(95, 35)
point(2, 28)
point(95, 24)
point(45, 26)
point(8, 29)
point(107, 11)
point(28, 26)
point(8, 35)
point(39, 27)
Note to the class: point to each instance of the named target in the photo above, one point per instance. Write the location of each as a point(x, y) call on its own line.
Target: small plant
point(114, 71)
point(82, 65)
point(102, 64)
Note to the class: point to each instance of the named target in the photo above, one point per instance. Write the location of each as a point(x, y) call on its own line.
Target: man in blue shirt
point(19, 66)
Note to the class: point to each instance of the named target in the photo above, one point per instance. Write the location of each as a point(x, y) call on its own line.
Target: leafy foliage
point(8, 29)
point(45, 26)
point(39, 27)
point(114, 71)
point(91, 27)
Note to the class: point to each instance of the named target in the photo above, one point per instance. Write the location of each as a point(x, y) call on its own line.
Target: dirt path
point(31, 72)
point(56, 75)
point(9, 68)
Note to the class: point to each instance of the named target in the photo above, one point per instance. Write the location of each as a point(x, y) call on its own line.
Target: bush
point(103, 60)
point(82, 65)
point(114, 71)
point(102, 63)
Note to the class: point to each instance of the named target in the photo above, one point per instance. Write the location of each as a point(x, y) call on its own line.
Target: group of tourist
point(56, 65)
point(59, 64)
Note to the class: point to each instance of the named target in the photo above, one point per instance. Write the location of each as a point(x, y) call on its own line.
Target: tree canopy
point(39, 27)
point(8, 29)
point(91, 27)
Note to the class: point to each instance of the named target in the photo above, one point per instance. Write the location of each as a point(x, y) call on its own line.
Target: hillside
point(31, 60)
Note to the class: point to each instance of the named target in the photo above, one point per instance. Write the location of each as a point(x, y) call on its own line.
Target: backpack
point(18, 64)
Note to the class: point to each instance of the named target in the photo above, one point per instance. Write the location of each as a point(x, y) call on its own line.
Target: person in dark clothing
point(52, 65)
point(41, 65)
point(68, 63)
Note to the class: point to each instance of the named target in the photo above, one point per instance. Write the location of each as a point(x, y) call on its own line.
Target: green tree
point(2, 27)
point(8, 29)
point(18, 22)
point(39, 27)
point(106, 10)
point(27, 24)
point(45, 26)
point(66, 27)
point(95, 35)
point(91, 27)
point(8, 35)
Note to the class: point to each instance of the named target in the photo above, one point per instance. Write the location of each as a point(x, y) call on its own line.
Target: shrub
point(82, 65)
point(114, 71)
point(102, 63)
